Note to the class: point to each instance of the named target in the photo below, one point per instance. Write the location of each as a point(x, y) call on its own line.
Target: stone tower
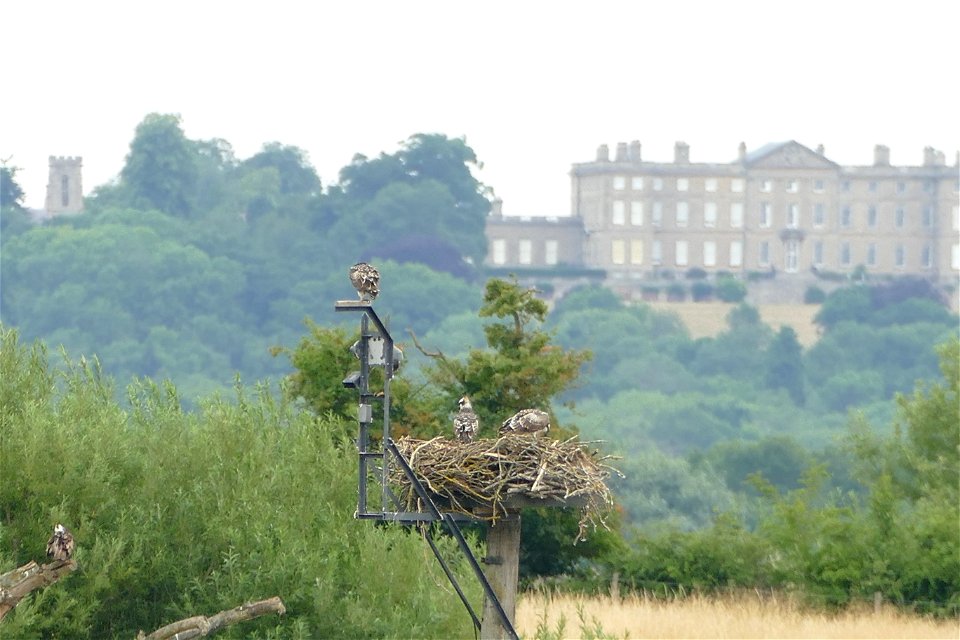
point(64, 190)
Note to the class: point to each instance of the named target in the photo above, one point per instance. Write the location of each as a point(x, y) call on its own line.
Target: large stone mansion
point(783, 210)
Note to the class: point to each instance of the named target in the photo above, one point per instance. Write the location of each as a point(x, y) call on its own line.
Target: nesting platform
point(490, 479)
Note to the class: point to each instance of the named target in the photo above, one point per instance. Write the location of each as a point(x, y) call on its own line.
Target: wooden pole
point(503, 567)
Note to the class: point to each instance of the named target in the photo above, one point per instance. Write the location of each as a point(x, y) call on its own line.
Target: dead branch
point(16, 584)
point(201, 626)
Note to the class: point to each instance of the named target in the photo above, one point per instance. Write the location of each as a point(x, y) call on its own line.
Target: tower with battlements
point(64, 189)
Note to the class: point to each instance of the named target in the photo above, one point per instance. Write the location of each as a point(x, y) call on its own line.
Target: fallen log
point(202, 626)
point(17, 584)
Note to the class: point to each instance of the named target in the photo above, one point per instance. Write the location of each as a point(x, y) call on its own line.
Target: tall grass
point(553, 616)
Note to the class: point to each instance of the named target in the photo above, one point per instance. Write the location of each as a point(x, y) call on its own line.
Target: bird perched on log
point(465, 423)
point(60, 545)
point(366, 280)
point(526, 421)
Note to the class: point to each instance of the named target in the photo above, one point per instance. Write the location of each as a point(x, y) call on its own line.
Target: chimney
point(496, 208)
point(820, 149)
point(635, 151)
point(742, 151)
point(681, 153)
point(621, 152)
point(603, 153)
point(929, 156)
point(881, 156)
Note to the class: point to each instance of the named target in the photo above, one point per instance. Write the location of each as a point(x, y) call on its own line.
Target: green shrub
point(178, 514)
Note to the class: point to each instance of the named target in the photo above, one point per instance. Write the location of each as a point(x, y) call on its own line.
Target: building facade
point(783, 208)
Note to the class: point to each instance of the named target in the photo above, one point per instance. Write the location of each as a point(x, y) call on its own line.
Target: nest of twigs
point(486, 479)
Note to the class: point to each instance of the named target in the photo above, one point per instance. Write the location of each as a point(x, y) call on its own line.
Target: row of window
point(711, 185)
point(618, 215)
point(632, 252)
point(524, 251)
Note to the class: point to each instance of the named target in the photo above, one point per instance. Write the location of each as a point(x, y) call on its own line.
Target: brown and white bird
point(366, 280)
point(526, 421)
point(60, 545)
point(465, 423)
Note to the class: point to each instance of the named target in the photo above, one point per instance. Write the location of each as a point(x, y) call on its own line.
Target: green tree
point(161, 168)
point(784, 368)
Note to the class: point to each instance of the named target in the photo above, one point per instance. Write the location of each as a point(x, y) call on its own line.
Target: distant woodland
point(187, 315)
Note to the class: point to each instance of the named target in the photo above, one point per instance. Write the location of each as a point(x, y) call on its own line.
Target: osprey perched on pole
point(366, 280)
point(60, 545)
point(465, 423)
point(526, 421)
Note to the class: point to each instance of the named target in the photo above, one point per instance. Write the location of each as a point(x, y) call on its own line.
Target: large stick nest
point(487, 479)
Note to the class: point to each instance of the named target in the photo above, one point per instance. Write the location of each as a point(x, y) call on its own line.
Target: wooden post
point(503, 567)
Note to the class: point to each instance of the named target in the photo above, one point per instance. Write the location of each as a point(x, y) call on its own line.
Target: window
point(499, 251)
point(899, 255)
point(525, 251)
point(926, 257)
point(872, 254)
point(681, 253)
point(766, 213)
point(793, 215)
point(763, 255)
point(683, 214)
point(818, 186)
point(845, 186)
point(818, 253)
point(845, 254)
point(790, 261)
point(901, 187)
point(955, 257)
point(845, 216)
point(819, 214)
point(872, 216)
point(900, 217)
point(709, 214)
point(636, 252)
point(928, 216)
point(709, 253)
point(65, 191)
point(656, 253)
point(766, 186)
point(619, 183)
point(710, 185)
point(683, 184)
point(956, 217)
point(736, 215)
point(658, 184)
point(550, 252)
point(736, 185)
point(793, 186)
point(636, 183)
point(636, 213)
point(617, 252)
point(872, 186)
point(736, 253)
point(619, 212)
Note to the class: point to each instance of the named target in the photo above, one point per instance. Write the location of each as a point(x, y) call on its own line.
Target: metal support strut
point(390, 508)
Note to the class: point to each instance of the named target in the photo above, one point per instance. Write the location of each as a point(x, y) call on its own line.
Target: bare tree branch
point(201, 626)
point(16, 584)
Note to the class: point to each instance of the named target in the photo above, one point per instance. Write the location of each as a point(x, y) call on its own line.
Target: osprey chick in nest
point(526, 421)
point(60, 545)
point(465, 423)
point(366, 280)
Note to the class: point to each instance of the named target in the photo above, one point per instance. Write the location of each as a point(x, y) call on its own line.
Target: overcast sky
point(532, 86)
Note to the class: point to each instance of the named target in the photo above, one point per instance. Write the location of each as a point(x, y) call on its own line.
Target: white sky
point(533, 86)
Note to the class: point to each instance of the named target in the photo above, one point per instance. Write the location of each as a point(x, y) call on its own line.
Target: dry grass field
point(707, 319)
point(724, 617)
